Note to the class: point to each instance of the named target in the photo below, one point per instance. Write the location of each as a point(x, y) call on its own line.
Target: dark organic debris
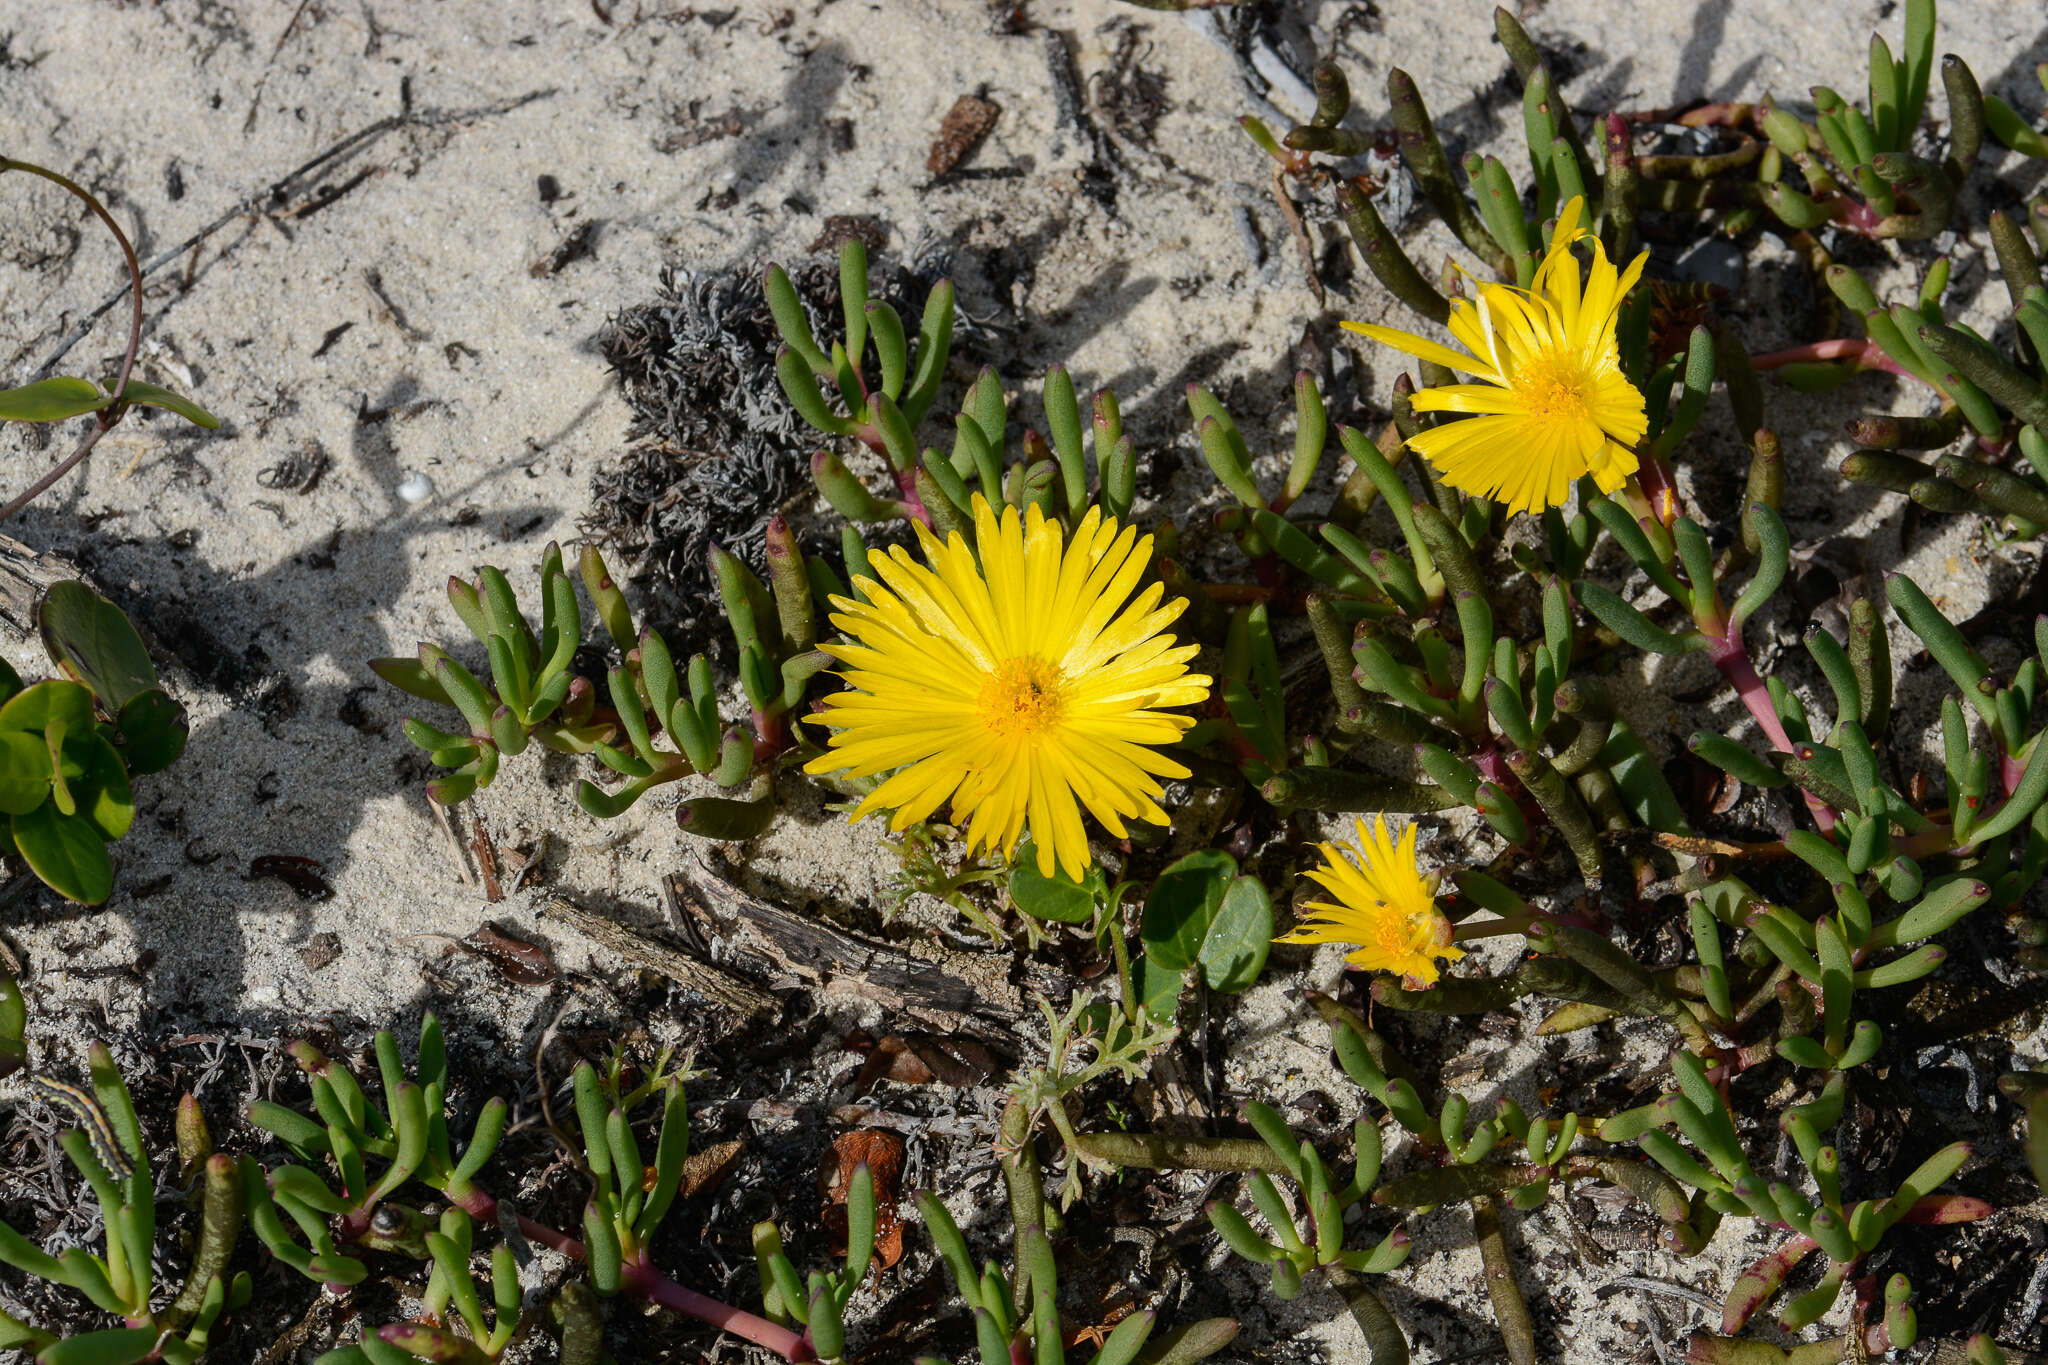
point(305, 876)
point(694, 130)
point(712, 983)
point(704, 1172)
point(580, 243)
point(1098, 178)
point(841, 228)
point(332, 335)
point(1129, 95)
point(517, 960)
point(298, 472)
point(969, 121)
point(925, 1058)
point(320, 951)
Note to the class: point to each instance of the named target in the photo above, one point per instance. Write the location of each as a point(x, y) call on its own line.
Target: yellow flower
point(1553, 404)
point(1016, 678)
point(1384, 904)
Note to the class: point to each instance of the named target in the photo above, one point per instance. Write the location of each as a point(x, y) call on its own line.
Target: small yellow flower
point(1552, 403)
point(1017, 678)
point(1384, 904)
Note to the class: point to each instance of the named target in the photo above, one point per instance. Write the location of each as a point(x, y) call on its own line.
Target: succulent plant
point(1017, 1316)
point(818, 1304)
point(1387, 635)
point(107, 1150)
point(535, 696)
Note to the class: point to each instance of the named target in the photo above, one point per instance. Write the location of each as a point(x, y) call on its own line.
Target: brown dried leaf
point(965, 125)
point(922, 1058)
point(705, 1171)
point(520, 962)
point(883, 1153)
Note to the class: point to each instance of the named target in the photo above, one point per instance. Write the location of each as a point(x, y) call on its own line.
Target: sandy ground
point(384, 316)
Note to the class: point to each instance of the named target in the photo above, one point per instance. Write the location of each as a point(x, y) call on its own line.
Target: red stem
point(906, 484)
point(643, 1279)
point(1868, 355)
point(650, 1284)
point(1732, 659)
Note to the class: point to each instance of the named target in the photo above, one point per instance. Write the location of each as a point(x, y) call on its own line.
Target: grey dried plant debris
point(716, 449)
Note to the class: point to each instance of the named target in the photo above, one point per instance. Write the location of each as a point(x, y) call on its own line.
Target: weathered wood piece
point(838, 961)
point(25, 575)
point(713, 982)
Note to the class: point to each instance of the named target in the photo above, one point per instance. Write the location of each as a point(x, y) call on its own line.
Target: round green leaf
point(92, 640)
point(1157, 989)
point(66, 851)
point(1183, 904)
point(98, 782)
point(153, 730)
point(33, 708)
point(1234, 951)
point(24, 772)
point(1058, 897)
point(50, 400)
point(10, 681)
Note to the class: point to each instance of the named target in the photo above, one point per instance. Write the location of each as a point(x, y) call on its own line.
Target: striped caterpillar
point(92, 1121)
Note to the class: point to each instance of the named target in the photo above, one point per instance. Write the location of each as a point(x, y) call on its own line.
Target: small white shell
point(416, 489)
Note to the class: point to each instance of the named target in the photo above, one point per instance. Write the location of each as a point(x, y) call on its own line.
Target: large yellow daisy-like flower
point(1017, 678)
point(1552, 401)
point(1384, 904)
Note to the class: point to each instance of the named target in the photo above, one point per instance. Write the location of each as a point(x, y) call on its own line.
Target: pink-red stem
point(1730, 656)
point(650, 1284)
point(1867, 355)
point(641, 1278)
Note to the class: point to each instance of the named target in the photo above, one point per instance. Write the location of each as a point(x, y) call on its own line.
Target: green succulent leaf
point(156, 396)
point(121, 1346)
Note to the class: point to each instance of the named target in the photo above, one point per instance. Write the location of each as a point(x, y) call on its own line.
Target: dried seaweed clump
point(716, 451)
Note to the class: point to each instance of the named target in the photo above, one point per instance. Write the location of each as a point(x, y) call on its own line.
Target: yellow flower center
point(1410, 928)
point(1554, 386)
point(1022, 697)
